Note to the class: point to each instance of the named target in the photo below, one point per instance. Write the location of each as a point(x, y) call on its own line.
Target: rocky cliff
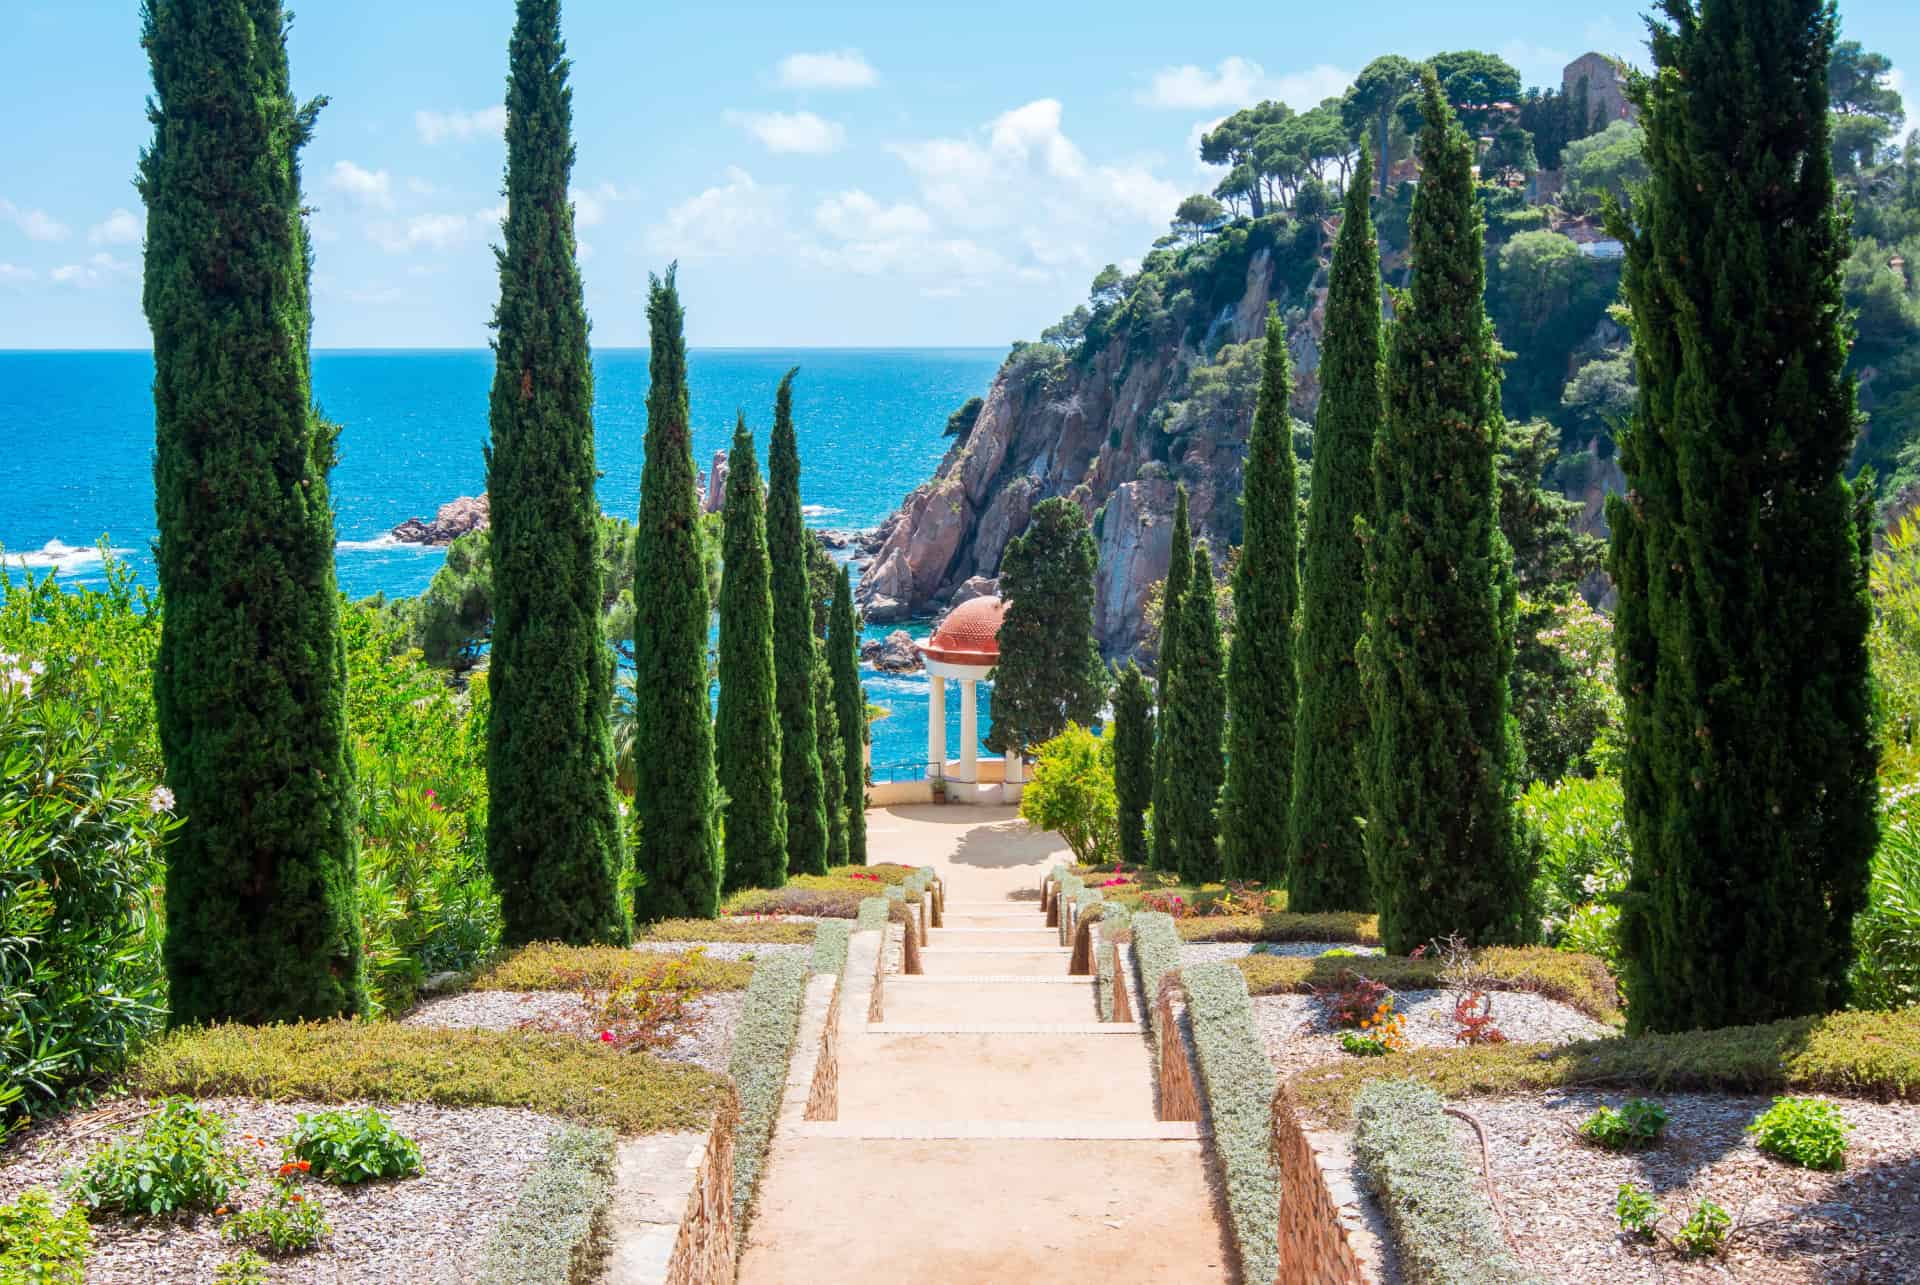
point(1094, 427)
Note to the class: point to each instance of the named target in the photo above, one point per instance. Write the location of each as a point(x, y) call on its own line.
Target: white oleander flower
point(161, 800)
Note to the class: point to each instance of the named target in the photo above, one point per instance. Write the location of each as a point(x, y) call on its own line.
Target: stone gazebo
point(964, 649)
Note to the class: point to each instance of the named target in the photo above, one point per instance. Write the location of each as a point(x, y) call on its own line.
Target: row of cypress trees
point(250, 680)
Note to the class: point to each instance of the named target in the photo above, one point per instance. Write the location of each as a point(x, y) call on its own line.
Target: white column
point(1016, 773)
point(936, 725)
point(969, 729)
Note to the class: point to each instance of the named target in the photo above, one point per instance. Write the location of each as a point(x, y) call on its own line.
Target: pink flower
point(606, 1037)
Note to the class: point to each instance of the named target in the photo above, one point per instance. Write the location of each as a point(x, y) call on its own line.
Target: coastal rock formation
point(895, 655)
point(1091, 430)
point(976, 587)
point(716, 493)
point(453, 520)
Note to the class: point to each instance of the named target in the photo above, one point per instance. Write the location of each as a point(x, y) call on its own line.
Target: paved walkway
point(990, 1128)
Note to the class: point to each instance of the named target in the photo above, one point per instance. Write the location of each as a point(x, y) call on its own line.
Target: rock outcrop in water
point(454, 519)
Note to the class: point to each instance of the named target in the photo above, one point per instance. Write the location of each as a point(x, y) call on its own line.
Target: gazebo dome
point(969, 634)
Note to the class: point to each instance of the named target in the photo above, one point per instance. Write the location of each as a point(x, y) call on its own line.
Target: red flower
point(606, 1037)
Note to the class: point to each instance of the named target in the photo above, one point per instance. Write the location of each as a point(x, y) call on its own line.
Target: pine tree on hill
point(674, 801)
point(1179, 571)
point(850, 708)
point(1050, 673)
point(1441, 844)
point(553, 828)
point(1327, 855)
point(250, 682)
point(801, 786)
point(1740, 551)
point(747, 747)
point(1260, 675)
point(1132, 760)
point(1193, 728)
point(826, 721)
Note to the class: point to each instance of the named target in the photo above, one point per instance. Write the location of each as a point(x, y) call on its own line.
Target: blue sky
point(827, 174)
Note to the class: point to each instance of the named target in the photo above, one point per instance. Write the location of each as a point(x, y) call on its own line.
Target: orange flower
point(296, 1197)
point(218, 1212)
point(305, 1165)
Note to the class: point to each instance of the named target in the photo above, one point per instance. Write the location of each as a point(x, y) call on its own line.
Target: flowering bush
point(1580, 832)
point(287, 1223)
point(1358, 999)
point(1166, 903)
point(1381, 1032)
point(1473, 1014)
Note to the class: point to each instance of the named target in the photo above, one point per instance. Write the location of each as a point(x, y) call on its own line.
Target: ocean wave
point(379, 542)
point(58, 555)
point(818, 511)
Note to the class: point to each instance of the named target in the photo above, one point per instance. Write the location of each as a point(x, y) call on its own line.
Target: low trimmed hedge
point(773, 932)
point(1869, 1055)
point(1156, 952)
point(874, 913)
point(555, 1231)
point(549, 966)
point(834, 895)
point(358, 1061)
point(1239, 1081)
point(762, 1047)
point(1442, 1225)
point(830, 946)
point(1579, 981)
point(1116, 920)
point(1332, 925)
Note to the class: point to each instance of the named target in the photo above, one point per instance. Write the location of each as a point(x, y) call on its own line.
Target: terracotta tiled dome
point(969, 634)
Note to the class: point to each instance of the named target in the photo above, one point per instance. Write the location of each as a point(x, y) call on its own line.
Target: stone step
point(1011, 1130)
point(952, 961)
point(1041, 1029)
point(910, 1000)
point(991, 918)
point(1076, 1075)
point(1039, 938)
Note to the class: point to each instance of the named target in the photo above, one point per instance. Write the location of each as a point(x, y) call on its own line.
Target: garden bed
point(1300, 1034)
point(429, 1228)
point(703, 1037)
point(1790, 1224)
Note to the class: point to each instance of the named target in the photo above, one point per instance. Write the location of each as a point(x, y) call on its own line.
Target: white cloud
point(97, 271)
point(420, 187)
point(843, 69)
point(590, 203)
point(1537, 64)
point(1897, 81)
point(460, 127)
point(801, 132)
point(377, 295)
point(736, 216)
point(370, 188)
point(1201, 128)
point(37, 224)
point(1237, 82)
point(855, 216)
point(14, 275)
point(438, 232)
point(122, 227)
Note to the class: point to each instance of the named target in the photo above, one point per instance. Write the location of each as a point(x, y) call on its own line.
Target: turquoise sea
point(76, 444)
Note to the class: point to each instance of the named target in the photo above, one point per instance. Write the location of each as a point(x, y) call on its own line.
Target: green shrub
point(351, 1146)
point(1886, 973)
point(767, 931)
point(179, 1160)
point(1363, 1045)
point(1441, 1223)
point(1804, 1131)
point(244, 1268)
point(289, 1222)
point(874, 912)
point(81, 828)
point(40, 1247)
point(1579, 827)
point(1637, 1213)
point(343, 1061)
point(830, 946)
point(1072, 792)
point(549, 966)
point(1156, 952)
point(1704, 1234)
point(552, 1233)
point(1238, 1080)
point(1637, 1125)
point(762, 1045)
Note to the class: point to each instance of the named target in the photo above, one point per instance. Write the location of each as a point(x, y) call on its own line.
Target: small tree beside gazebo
point(1049, 673)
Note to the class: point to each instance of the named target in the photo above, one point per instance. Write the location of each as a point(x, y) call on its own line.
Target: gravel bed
point(705, 1039)
point(1208, 952)
point(729, 949)
point(1792, 1225)
point(1299, 1033)
point(426, 1229)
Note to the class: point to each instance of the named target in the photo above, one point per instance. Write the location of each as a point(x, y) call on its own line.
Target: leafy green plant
point(1705, 1232)
point(244, 1268)
point(40, 1247)
point(1636, 1125)
point(1886, 972)
point(1363, 1045)
point(1072, 792)
point(1637, 1213)
point(1809, 1132)
point(1579, 829)
point(346, 1147)
point(289, 1222)
point(179, 1160)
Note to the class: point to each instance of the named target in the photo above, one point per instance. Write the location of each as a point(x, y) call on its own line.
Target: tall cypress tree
point(1740, 551)
point(1327, 855)
point(674, 799)
point(793, 650)
point(553, 830)
point(1179, 572)
point(1441, 846)
point(1132, 760)
point(748, 747)
point(850, 707)
point(826, 723)
point(1260, 675)
point(250, 681)
point(1050, 673)
point(1193, 728)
